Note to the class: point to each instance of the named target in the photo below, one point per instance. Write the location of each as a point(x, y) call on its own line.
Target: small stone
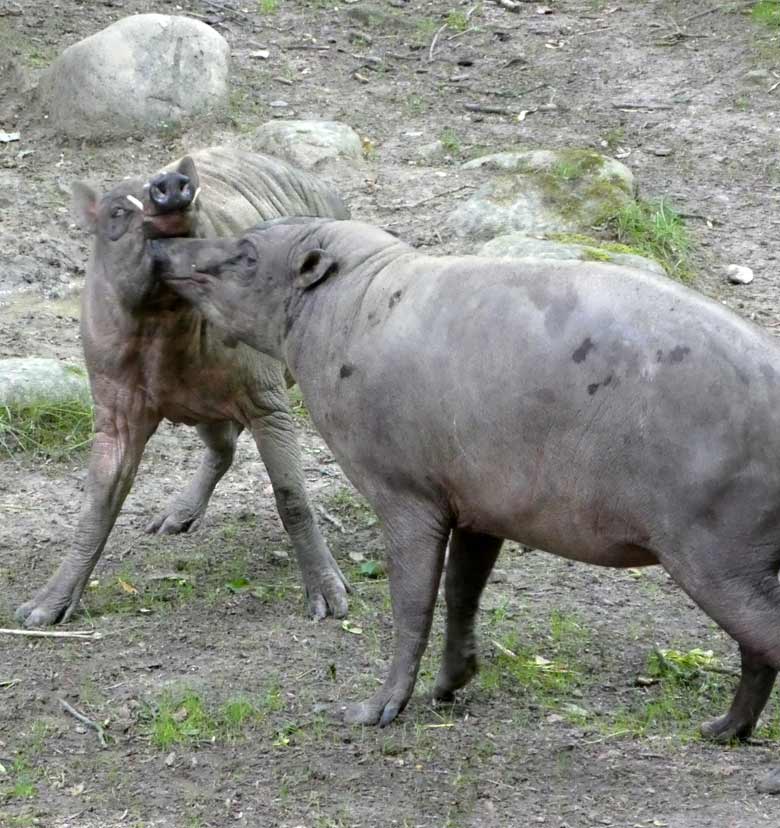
point(431, 152)
point(498, 576)
point(308, 144)
point(757, 75)
point(278, 104)
point(661, 152)
point(739, 274)
point(260, 54)
point(170, 759)
point(279, 556)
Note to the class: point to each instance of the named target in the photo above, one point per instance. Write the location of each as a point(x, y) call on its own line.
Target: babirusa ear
point(84, 205)
point(187, 167)
point(315, 265)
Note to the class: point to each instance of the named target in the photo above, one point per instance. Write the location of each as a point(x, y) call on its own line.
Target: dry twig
point(101, 734)
point(487, 108)
point(433, 42)
point(88, 635)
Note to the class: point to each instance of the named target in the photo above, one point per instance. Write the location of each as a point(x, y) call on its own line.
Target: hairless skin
point(600, 413)
point(151, 355)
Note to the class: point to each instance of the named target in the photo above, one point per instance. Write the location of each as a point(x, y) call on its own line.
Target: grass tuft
point(767, 13)
point(458, 21)
point(657, 231)
point(449, 140)
point(46, 429)
point(184, 718)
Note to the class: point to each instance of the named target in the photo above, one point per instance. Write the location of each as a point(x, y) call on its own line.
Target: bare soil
point(579, 744)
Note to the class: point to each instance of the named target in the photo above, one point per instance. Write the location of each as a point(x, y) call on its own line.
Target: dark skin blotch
point(594, 386)
point(346, 370)
point(580, 355)
point(678, 354)
point(395, 299)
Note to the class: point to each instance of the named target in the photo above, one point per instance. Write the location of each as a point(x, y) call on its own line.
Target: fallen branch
point(101, 734)
point(708, 11)
point(487, 108)
point(629, 106)
point(413, 204)
point(502, 649)
point(227, 9)
point(82, 634)
point(433, 42)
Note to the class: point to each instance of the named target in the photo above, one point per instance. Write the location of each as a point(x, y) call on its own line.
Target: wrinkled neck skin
point(120, 308)
point(326, 312)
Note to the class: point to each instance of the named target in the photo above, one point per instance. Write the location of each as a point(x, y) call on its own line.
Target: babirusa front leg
point(325, 586)
point(114, 458)
point(416, 538)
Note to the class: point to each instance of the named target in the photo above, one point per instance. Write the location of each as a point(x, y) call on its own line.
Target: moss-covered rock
point(542, 191)
point(580, 248)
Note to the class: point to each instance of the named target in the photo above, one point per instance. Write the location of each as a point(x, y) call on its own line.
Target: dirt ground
point(565, 727)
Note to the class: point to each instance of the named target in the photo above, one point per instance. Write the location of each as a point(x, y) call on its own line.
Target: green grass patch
point(422, 32)
point(458, 21)
point(657, 231)
point(450, 141)
point(767, 13)
point(18, 782)
point(689, 687)
point(524, 671)
point(125, 593)
point(686, 692)
point(47, 429)
point(184, 718)
point(352, 507)
point(415, 104)
point(267, 6)
point(297, 404)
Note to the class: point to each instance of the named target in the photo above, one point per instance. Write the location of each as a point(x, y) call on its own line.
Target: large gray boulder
point(309, 144)
point(143, 73)
point(32, 381)
point(518, 246)
point(541, 191)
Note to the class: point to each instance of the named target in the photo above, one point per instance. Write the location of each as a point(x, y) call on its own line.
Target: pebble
point(757, 75)
point(739, 274)
point(278, 104)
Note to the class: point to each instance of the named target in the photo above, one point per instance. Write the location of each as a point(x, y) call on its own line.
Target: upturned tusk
point(195, 197)
point(135, 202)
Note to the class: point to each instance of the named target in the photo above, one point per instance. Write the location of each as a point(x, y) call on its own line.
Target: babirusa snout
point(170, 191)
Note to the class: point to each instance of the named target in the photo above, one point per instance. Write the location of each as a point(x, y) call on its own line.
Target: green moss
point(590, 241)
point(593, 254)
point(46, 429)
point(574, 164)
